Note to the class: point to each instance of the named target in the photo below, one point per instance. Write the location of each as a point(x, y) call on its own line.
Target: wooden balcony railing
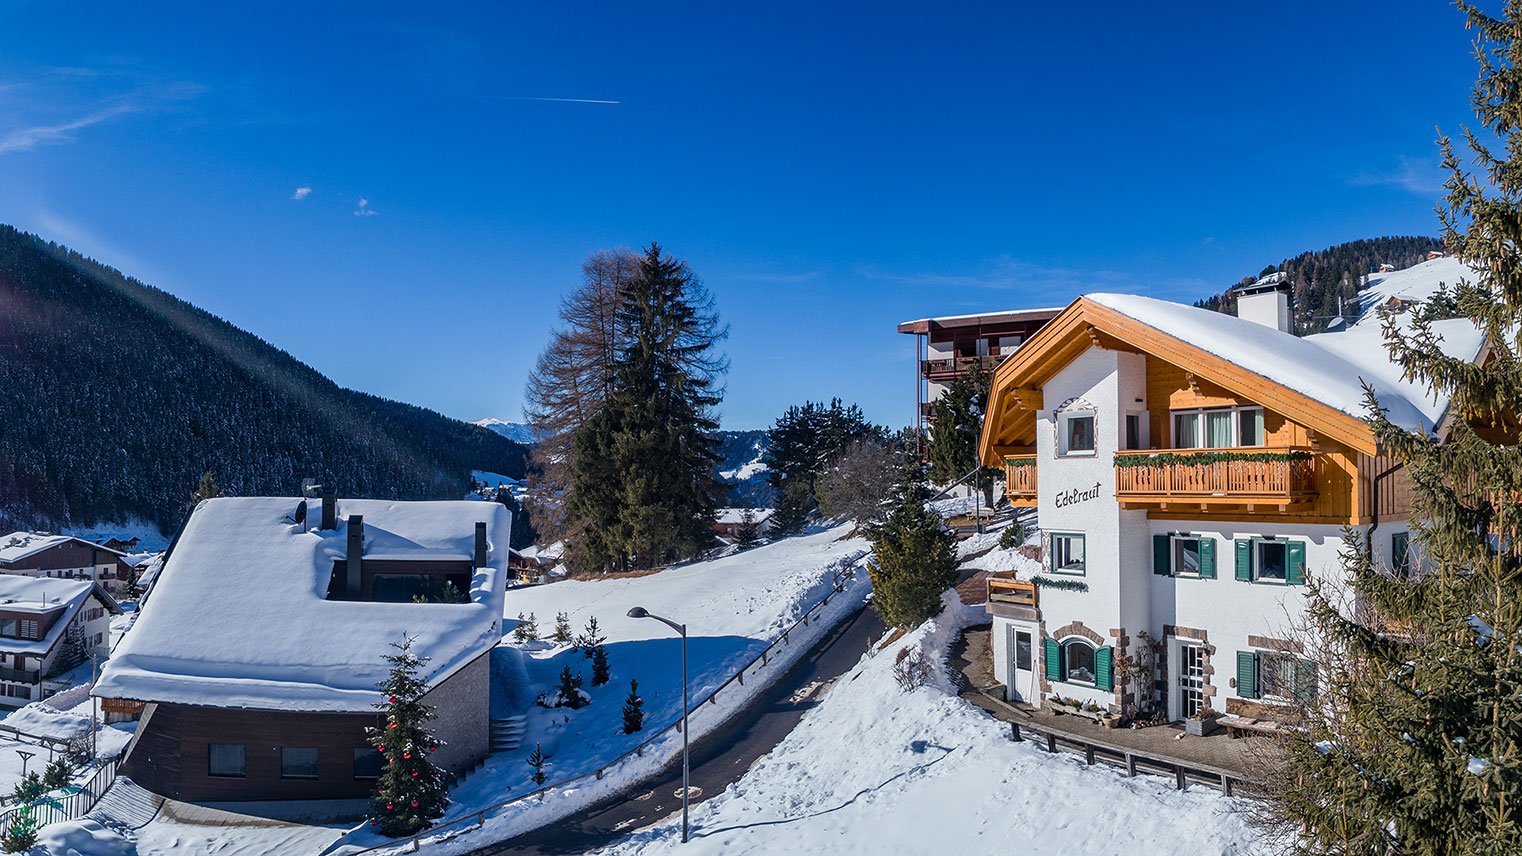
point(1020, 480)
point(1004, 588)
point(1227, 476)
point(958, 364)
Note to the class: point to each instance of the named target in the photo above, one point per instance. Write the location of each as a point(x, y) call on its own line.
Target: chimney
point(329, 509)
point(1266, 304)
point(356, 553)
point(480, 545)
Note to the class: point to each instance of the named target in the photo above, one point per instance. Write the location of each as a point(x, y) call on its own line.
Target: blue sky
point(830, 170)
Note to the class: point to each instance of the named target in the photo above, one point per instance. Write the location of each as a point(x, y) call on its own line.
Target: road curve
point(718, 759)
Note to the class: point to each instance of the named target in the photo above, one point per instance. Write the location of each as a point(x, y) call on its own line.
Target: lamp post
point(641, 612)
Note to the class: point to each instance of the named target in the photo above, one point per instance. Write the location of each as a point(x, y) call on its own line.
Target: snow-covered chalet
point(258, 656)
point(1190, 468)
point(41, 554)
point(48, 627)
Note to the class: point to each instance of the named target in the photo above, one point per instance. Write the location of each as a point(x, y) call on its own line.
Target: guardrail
point(68, 806)
point(1095, 751)
point(843, 569)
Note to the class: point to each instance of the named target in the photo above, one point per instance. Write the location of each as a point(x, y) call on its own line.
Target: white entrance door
point(1022, 672)
point(1188, 696)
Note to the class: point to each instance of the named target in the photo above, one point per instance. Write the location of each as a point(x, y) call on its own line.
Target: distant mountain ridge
point(742, 467)
point(518, 432)
point(117, 396)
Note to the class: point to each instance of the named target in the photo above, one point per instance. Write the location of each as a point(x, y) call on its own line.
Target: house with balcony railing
point(1191, 470)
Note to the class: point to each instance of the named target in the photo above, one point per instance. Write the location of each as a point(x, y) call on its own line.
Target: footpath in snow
point(873, 769)
point(734, 607)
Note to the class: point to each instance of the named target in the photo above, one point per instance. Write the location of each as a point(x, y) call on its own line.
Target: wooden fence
point(844, 570)
point(1096, 751)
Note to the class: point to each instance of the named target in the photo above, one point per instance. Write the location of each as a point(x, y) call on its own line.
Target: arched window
point(1079, 660)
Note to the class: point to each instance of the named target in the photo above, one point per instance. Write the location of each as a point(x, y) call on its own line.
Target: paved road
point(718, 759)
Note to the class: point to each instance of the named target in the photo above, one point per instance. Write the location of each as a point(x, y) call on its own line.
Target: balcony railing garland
point(1063, 585)
point(1163, 459)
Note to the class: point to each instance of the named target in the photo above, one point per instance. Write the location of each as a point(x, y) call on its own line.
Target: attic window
point(1075, 434)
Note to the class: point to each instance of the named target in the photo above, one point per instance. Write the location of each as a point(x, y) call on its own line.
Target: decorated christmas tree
point(411, 791)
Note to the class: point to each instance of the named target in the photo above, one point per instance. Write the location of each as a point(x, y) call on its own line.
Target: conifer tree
point(953, 447)
point(591, 639)
point(794, 504)
point(1415, 745)
point(570, 689)
point(748, 532)
point(913, 558)
point(600, 668)
point(643, 485)
point(634, 709)
point(562, 628)
point(800, 444)
point(206, 489)
point(537, 761)
point(411, 791)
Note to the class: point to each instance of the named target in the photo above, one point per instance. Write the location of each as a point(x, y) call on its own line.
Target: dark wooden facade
point(171, 755)
point(68, 555)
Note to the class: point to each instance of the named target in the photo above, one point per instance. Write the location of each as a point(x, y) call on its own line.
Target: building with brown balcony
point(947, 346)
point(259, 657)
point(48, 627)
point(43, 554)
point(1191, 470)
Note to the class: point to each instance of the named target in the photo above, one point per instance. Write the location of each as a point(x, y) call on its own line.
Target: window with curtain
point(1217, 429)
point(1250, 427)
point(1186, 430)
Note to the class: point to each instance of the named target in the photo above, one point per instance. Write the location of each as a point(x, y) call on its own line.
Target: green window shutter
point(1053, 664)
point(1161, 560)
point(1244, 559)
point(1295, 573)
point(1305, 681)
point(1207, 558)
point(1247, 674)
point(1102, 662)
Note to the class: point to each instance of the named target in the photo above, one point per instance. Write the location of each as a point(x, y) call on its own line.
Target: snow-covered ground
point(733, 608)
point(873, 769)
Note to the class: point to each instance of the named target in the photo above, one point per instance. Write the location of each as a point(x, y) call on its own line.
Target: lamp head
point(639, 612)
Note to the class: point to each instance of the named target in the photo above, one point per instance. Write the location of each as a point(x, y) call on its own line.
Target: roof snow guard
point(240, 615)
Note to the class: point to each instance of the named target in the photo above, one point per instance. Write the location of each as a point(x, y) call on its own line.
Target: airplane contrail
point(537, 98)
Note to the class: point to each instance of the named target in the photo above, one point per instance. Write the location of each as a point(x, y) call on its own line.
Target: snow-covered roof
point(240, 617)
point(43, 594)
point(732, 515)
point(19, 545)
point(1048, 310)
point(1327, 368)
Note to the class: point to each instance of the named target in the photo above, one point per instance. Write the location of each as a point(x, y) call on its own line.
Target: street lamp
point(641, 612)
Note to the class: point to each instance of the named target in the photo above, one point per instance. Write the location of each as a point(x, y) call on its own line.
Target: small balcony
point(957, 365)
point(1020, 480)
point(1281, 477)
point(1004, 588)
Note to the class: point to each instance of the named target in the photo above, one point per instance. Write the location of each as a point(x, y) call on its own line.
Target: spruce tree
point(570, 689)
point(634, 709)
point(1415, 745)
point(600, 668)
point(953, 447)
point(913, 559)
point(800, 444)
point(748, 532)
point(411, 791)
point(794, 505)
point(562, 628)
point(591, 639)
point(536, 760)
point(643, 486)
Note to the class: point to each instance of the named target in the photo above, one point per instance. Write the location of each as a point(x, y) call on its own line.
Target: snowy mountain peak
point(518, 432)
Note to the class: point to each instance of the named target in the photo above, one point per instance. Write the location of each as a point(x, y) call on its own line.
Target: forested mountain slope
point(115, 397)
point(1326, 282)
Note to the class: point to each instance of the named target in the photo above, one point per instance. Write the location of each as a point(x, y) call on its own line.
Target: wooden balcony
point(1281, 477)
point(1004, 588)
point(957, 365)
point(1020, 480)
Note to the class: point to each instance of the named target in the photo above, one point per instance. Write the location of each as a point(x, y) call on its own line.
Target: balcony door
point(1187, 662)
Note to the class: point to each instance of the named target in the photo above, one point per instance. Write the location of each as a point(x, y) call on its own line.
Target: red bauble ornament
point(389, 807)
point(414, 772)
point(393, 699)
point(404, 755)
point(392, 725)
point(414, 805)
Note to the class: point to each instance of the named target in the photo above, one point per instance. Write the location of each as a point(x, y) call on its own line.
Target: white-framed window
point(1078, 662)
point(1270, 561)
point(1136, 430)
point(1067, 553)
point(1075, 433)
point(1186, 555)
point(1218, 428)
point(1285, 677)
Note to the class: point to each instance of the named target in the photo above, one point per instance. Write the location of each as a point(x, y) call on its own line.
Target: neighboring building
point(128, 546)
point(259, 654)
point(729, 520)
point(1190, 469)
point(47, 627)
point(945, 347)
point(40, 554)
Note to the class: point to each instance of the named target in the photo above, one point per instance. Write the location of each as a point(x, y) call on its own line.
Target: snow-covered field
point(875, 770)
point(733, 608)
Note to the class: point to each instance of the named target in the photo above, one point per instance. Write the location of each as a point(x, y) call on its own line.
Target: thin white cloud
point(539, 98)
point(301, 193)
point(26, 139)
point(364, 209)
point(1422, 176)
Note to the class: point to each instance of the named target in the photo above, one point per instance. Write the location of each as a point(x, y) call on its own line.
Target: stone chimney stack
point(352, 576)
point(480, 558)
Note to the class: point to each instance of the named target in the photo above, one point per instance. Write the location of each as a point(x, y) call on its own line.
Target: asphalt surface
point(718, 759)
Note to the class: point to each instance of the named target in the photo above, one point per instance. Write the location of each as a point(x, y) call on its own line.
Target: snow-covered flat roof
point(240, 617)
point(1328, 367)
point(18, 545)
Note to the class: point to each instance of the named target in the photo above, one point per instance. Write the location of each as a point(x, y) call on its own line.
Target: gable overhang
point(1010, 423)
